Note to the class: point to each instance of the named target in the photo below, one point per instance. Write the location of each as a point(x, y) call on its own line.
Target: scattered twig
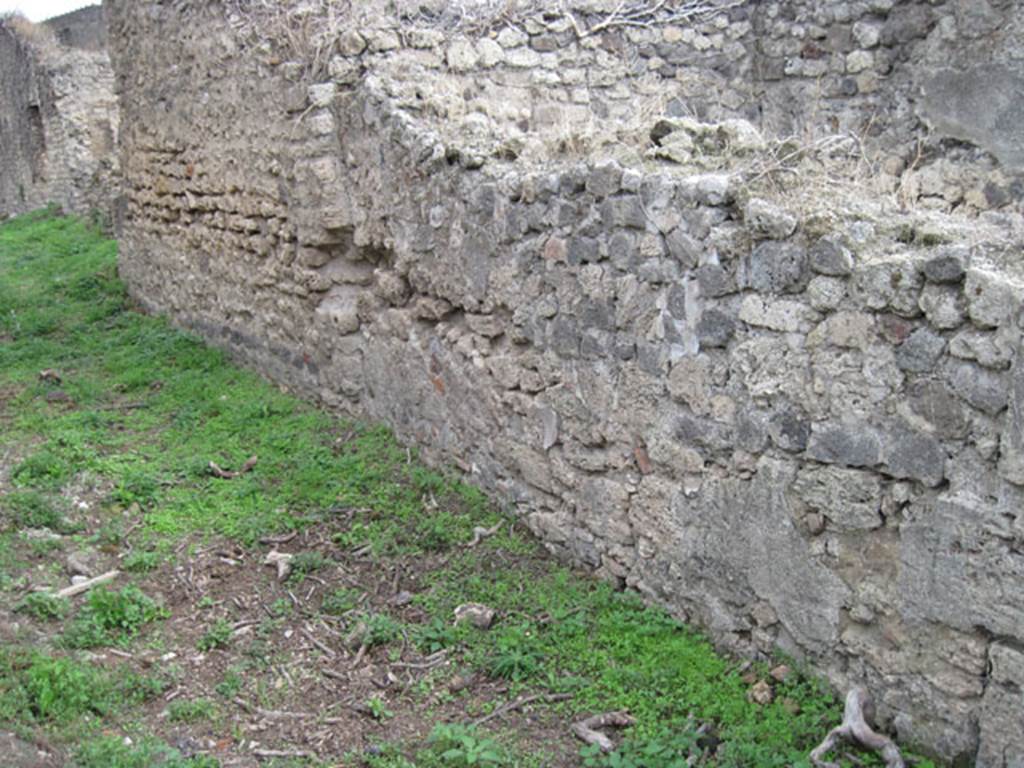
point(85, 586)
point(359, 654)
point(480, 533)
point(284, 753)
point(650, 12)
point(363, 550)
point(244, 705)
point(434, 660)
point(281, 539)
point(322, 646)
point(277, 714)
point(519, 703)
point(589, 730)
point(855, 730)
point(226, 474)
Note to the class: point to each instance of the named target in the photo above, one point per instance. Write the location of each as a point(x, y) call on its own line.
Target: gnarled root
point(855, 730)
point(589, 730)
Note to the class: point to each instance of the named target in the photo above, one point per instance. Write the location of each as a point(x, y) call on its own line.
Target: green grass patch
point(112, 618)
point(43, 606)
point(37, 688)
point(115, 752)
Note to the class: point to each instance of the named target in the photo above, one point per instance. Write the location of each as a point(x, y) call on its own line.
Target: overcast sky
point(37, 10)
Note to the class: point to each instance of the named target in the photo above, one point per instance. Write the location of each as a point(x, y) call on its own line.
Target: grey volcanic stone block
point(776, 267)
point(947, 267)
point(921, 351)
point(934, 402)
point(982, 388)
point(828, 257)
point(849, 445)
point(913, 455)
point(850, 498)
point(715, 328)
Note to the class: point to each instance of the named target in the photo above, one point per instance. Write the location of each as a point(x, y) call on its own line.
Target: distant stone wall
point(791, 414)
point(908, 79)
point(85, 28)
point(58, 115)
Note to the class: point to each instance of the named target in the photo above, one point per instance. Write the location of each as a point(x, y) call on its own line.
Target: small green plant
point(44, 606)
point(36, 688)
point(191, 710)
point(112, 618)
point(378, 709)
point(515, 657)
point(31, 509)
point(115, 752)
point(281, 608)
point(232, 682)
point(341, 601)
point(435, 635)
point(389, 756)
point(141, 562)
point(45, 469)
point(437, 532)
point(110, 534)
point(460, 746)
point(306, 563)
point(62, 689)
point(378, 629)
point(217, 636)
point(667, 749)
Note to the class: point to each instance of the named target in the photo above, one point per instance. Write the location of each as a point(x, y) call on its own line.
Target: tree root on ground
point(589, 730)
point(225, 474)
point(855, 730)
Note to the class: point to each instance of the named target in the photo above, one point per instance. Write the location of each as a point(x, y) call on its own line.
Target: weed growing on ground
point(115, 752)
point(378, 708)
point(110, 617)
point(32, 509)
point(35, 687)
point(217, 636)
point(191, 710)
point(305, 563)
point(44, 606)
point(341, 601)
point(461, 746)
point(141, 562)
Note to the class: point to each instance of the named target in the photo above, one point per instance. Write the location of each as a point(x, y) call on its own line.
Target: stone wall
point(58, 122)
point(687, 359)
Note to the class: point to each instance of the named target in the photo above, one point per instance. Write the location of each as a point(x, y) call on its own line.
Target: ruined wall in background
point(684, 353)
point(58, 120)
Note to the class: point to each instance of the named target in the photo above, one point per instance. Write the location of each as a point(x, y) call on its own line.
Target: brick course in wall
point(800, 430)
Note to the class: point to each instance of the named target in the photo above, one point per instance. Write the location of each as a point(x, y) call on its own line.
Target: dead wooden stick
point(480, 533)
point(589, 730)
point(519, 703)
point(284, 754)
point(855, 730)
point(284, 538)
point(85, 586)
point(226, 474)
